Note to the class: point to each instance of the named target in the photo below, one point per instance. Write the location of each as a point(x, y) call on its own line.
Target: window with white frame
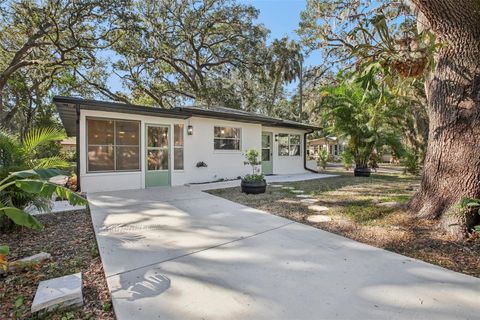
point(178, 146)
point(113, 145)
point(288, 144)
point(227, 138)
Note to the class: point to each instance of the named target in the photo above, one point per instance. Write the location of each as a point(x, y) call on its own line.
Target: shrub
point(323, 158)
point(472, 205)
point(347, 160)
point(410, 161)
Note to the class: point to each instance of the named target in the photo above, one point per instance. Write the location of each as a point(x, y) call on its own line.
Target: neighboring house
point(69, 144)
point(334, 145)
point(123, 146)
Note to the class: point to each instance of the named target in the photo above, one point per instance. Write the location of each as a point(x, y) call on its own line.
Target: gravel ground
point(70, 239)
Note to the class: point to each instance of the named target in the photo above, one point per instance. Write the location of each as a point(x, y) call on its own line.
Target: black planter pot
point(253, 187)
point(361, 172)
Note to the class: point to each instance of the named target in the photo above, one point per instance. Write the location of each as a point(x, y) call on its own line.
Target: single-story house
point(122, 146)
point(334, 146)
point(68, 144)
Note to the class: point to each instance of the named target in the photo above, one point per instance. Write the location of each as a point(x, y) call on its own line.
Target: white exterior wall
point(287, 164)
point(222, 164)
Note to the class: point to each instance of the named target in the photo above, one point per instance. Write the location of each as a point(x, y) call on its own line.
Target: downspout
point(77, 146)
point(305, 152)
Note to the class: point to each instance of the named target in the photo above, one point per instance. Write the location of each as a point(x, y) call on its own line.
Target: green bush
point(472, 205)
point(323, 158)
point(410, 161)
point(347, 160)
point(253, 178)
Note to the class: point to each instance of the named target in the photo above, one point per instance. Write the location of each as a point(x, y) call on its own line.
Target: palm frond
point(51, 162)
point(41, 136)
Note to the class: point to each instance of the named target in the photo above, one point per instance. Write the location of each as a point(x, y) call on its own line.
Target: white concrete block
point(308, 201)
point(317, 208)
point(298, 191)
point(390, 204)
point(36, 257)
point(319, 218)
point(58, 293)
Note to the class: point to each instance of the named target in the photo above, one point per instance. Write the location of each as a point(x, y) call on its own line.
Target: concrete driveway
point(180, 253)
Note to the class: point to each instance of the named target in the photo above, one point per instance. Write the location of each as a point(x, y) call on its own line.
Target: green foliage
point(365, 213)
point(94, 250)
point(253, 178)
point(252, 157)
point(323, 158)
point(471, 204)
point(367, 118)
point(347, 159)
point(34, 182)
point(411, 162)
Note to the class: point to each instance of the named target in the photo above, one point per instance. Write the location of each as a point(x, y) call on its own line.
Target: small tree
point(252, 157)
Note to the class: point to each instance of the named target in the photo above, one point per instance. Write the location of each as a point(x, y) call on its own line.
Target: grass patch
point(365, 213)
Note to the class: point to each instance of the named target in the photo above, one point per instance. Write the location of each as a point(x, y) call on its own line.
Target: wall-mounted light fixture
point(276, 138)
point(190, 130)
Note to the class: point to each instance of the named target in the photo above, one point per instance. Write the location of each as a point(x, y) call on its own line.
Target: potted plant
point(361, 156)
point(253, 183)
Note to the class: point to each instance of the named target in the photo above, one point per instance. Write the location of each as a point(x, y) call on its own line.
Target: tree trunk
point(452, 163)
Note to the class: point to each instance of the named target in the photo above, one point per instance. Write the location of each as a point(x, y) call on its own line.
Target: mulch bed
point(70, 239)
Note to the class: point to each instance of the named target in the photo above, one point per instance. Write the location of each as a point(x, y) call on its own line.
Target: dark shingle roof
point(66, 107)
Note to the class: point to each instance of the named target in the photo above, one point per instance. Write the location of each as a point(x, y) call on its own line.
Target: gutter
point(305, 152)
point(77, 147)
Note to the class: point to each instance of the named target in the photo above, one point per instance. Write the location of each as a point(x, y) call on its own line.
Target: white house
point(121, 146)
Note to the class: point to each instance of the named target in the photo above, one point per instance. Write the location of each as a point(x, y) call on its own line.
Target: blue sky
point(281, 17)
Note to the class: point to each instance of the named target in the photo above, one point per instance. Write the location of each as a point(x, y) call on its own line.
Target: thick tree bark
point(452, 163)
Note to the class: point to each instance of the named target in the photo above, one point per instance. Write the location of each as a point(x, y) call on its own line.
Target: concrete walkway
point(180, 253)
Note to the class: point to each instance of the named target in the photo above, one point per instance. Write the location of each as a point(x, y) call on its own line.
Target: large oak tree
point(452, 164)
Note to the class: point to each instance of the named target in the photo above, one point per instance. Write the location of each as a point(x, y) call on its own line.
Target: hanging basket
point(409, 67)
point(410, 59)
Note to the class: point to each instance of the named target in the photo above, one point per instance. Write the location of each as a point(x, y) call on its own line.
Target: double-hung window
point(113, 145)
point(288, 144)
point(227, 138)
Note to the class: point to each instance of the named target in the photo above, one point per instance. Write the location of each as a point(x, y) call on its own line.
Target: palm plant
point(27, 152)
point(367, 118)
point(17, 155)
point(34, 182)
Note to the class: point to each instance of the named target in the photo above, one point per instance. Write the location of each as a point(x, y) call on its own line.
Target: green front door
point(157, 156)
point(267, 153)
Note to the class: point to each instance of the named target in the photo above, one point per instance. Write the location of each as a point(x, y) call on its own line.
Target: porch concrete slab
point(294, 272)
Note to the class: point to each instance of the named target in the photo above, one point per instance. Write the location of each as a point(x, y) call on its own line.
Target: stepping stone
point(308, 201)
point(390, 204)
point(36, 258)
point(276, 185)
point(288, 188)
point(58, 293)
point(297, 191)
point(319, 218)
point(317, 208)
point(302, 196)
